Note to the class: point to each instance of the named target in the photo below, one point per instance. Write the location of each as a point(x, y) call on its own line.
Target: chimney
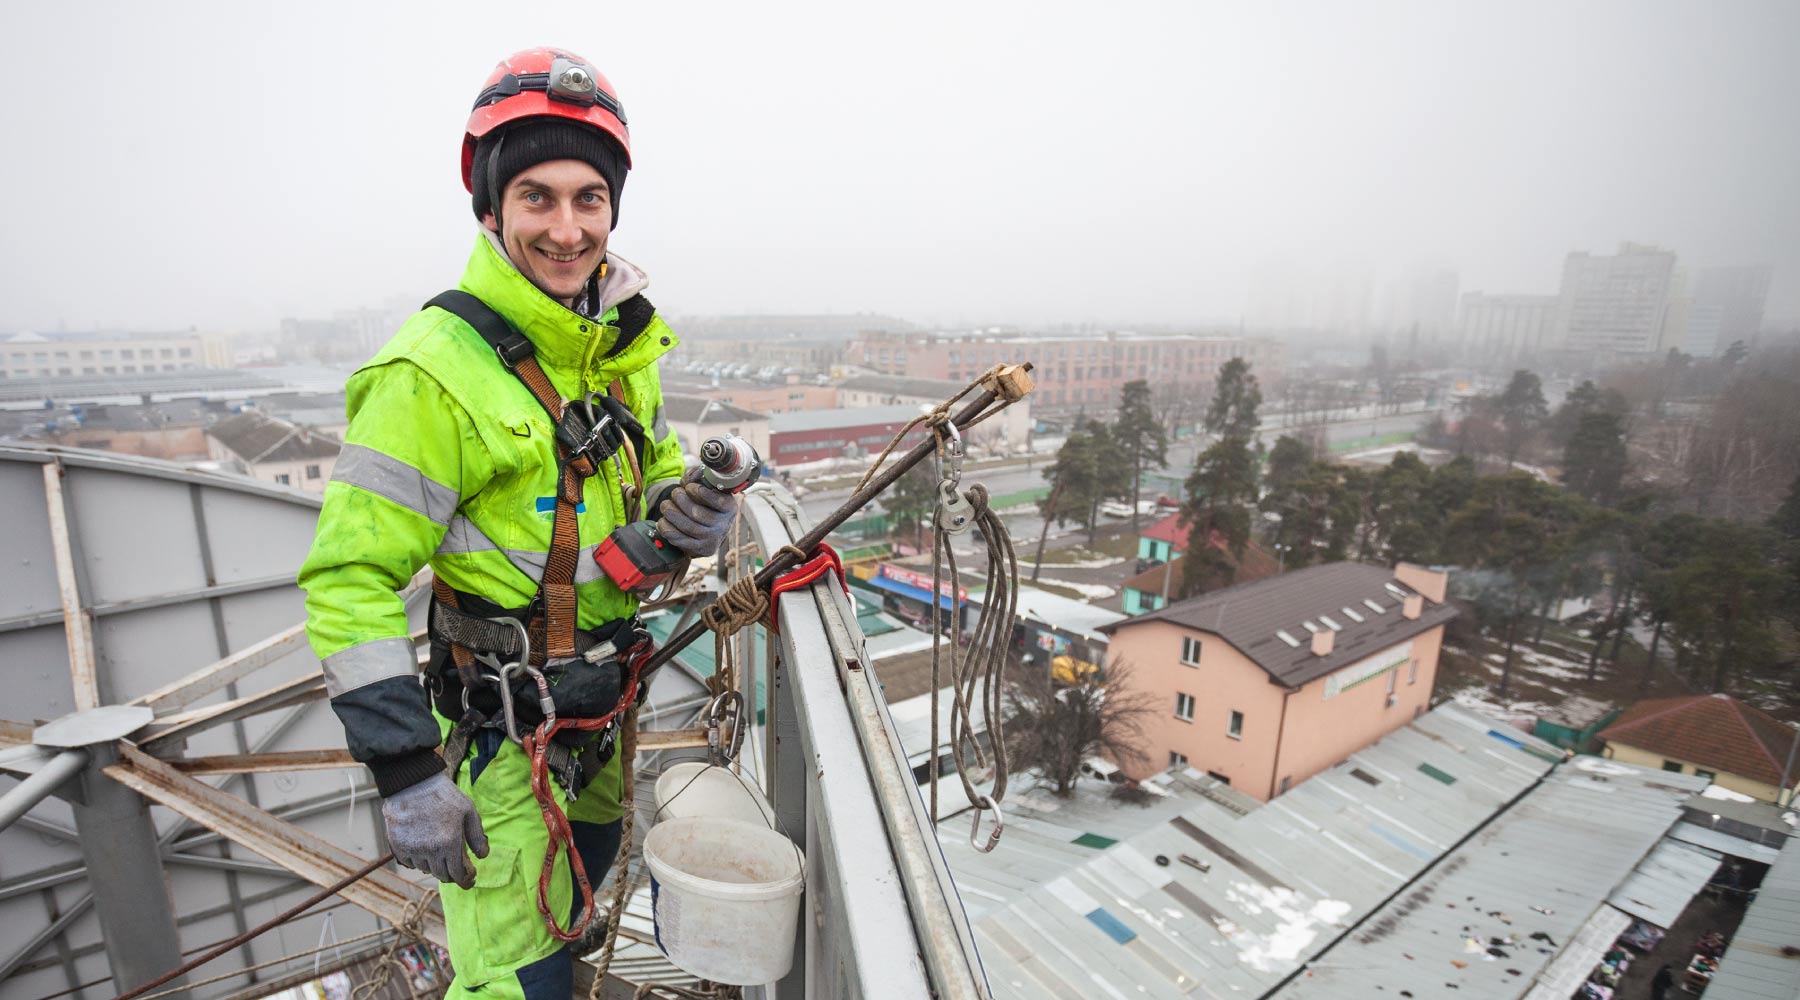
point(1323, 641)
point(1412, 607)
point(1433, 583)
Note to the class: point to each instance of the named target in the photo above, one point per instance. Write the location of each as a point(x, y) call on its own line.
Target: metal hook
point(716, 747)
point(993, 837)
point(504, 674)
point(949, 455)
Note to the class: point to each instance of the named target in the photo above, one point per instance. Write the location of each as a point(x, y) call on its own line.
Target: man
point(500, 436)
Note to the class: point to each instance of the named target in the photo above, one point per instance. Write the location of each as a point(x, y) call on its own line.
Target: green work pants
point(499, 945)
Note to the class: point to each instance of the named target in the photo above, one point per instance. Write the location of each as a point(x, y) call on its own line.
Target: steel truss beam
point(383, 893)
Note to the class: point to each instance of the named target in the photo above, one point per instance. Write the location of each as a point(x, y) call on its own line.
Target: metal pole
point(40, 785)
point(125, 874)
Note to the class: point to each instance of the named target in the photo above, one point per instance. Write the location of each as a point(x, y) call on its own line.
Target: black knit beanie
point(536, 140)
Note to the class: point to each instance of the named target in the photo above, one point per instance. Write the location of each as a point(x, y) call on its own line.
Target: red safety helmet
point(544, 82)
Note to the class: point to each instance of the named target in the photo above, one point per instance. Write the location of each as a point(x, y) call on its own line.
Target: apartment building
point(1264, 684)
point(1072, 372)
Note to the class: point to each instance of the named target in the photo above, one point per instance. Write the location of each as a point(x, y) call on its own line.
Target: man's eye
point(593, 198)
point(534, 197)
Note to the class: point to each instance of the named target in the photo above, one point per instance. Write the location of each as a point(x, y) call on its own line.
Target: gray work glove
point(695, 516)
point(428, 824)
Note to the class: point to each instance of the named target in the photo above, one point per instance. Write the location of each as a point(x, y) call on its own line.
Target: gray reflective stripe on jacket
point(387, 476)
point(360, 666)
point(659, 427)
point(464, 537)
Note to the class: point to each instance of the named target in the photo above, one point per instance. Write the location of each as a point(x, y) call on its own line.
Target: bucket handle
point(768, 816)
point(993, 838)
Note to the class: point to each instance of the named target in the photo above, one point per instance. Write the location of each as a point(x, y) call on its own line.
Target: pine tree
point(1522, 411)
point(1236, 396)
point(1141, 436)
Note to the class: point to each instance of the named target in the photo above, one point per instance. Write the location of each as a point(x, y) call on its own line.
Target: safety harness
point(504, 650)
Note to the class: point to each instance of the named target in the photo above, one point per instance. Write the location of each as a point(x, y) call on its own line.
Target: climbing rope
point(621, 873)
point(410, 930)
point(980, 672)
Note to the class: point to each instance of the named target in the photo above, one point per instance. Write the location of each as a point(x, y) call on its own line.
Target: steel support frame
point(125, 875)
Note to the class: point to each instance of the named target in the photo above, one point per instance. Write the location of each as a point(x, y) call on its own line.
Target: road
point(1030, 474)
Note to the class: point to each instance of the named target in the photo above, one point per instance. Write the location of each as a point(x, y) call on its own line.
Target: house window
point(1412, 671)
point(1184, 707)
point(1672, 765)
point(1177, 760)
point(1223, 779)
point(1393, 676)
point(312, 472)
point(1235, 727)
point(1190, 651)
point(1708, 775)
point(282, 479)
point(1285, 780)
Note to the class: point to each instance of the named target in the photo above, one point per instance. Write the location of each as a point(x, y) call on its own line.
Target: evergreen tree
point(1236, 396)
point(1786, 524)
point(911, 502)
point(1595, 458)
point(1522, 411)
point(1406, 523)
point(1726, 593)
point(1289, 461)
point(1514, 531)
point(1221, 493)
point(1141, 436)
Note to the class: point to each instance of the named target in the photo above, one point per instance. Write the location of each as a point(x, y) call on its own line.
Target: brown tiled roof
point(1257, 564)
point(1249, 614)
point(1172, 529)
point(1714, 730)
point(257, 437)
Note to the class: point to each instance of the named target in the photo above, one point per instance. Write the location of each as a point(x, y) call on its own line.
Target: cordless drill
point(637, 557)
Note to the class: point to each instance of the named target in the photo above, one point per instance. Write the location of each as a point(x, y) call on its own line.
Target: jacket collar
point(571, 348)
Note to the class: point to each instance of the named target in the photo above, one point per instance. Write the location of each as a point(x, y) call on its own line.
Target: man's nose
point(563, 228)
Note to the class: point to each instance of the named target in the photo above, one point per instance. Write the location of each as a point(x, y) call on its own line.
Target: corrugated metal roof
point(1661, 885)
point(1572, 966)
point(1486, 922)
point(1279, 882)
point(1754, 967)
point(1724, 843)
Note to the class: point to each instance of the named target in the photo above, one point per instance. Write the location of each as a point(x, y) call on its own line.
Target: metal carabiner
point(993, 837)
point(716, 748)
point(505, 673)
point(949, 453)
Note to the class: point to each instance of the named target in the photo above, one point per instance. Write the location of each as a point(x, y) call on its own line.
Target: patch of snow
point(1090, 591)
point(1724, 794)
point(1100, 563)
point(1297, 925)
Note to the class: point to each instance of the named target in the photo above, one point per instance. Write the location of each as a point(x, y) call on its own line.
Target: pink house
point(1268, 683)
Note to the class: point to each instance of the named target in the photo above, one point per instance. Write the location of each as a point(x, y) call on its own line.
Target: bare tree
point(1055, 727)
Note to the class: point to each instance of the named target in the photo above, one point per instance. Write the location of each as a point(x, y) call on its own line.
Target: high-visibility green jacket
point(448, 460)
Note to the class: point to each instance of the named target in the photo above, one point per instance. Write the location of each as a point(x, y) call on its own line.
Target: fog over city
point(222, 165)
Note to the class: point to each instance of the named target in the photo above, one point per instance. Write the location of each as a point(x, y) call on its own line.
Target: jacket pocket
point(495, 927)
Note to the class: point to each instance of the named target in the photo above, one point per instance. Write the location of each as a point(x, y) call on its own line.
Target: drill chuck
point(729, 464)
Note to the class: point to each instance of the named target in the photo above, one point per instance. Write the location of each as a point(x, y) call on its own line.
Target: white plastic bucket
point(694, 788)
point(726, 896)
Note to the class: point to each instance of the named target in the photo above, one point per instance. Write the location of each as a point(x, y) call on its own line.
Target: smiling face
point(554, 220)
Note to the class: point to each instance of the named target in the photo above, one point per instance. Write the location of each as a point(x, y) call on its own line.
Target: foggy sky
point(226, 164)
